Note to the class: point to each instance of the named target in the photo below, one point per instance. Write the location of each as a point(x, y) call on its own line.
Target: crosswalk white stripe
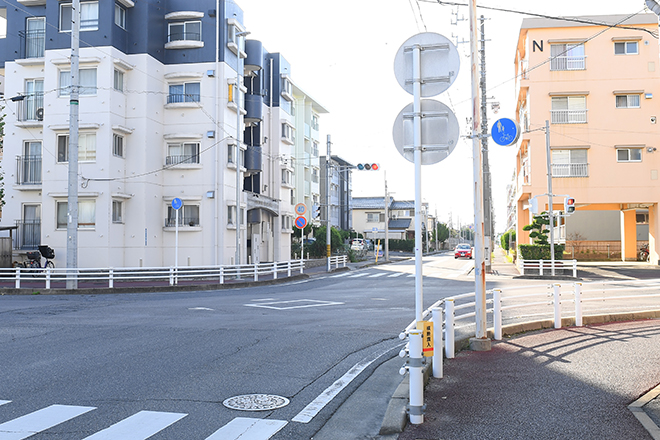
point(2, 402)
point(41, 420)
point(397, 274)
point(358, 275)
point(244, 428)
point(340, 275)
point(139, 426)
point(376, 275)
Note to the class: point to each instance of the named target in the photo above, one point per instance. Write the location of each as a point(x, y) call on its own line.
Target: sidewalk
point(570, 383)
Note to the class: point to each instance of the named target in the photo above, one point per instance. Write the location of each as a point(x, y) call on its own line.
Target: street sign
point(427, 337)
point(177, 203)
point(505, 132)
point(439, 134)
point(301, 222)
point(301, 209)
point(439, 63)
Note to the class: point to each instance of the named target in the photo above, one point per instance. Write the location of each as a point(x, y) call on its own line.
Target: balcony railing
point(31, 108)
point(28, 170)
point(28, 234)
point(184, 36)
point(182, 97)
point(176, 160)
point(568, 63)
point(569, 116)
point(570, 170)
point(33, 43)
point(185, 221)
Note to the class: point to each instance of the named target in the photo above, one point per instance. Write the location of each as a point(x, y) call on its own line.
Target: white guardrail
point(107, 277)
point(578, 299)
point(538, 267)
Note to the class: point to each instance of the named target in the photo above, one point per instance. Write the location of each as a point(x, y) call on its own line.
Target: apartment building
point(163, 114)
point(595, 79)
point(340, 210)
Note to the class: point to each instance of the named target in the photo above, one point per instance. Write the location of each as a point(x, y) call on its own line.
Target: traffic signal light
point(569, 205)
point(368, 166)
point(316, 211)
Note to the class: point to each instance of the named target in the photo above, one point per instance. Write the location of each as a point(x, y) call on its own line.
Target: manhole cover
point(256, 402)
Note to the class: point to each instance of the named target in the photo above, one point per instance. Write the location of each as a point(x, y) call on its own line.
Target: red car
point(463, 250)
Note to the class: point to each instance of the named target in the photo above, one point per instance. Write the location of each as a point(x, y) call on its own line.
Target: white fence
point(514, 305)
point(540, 267)
point(151, 276)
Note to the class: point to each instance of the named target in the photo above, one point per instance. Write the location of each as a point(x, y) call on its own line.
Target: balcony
point(185, 159)
point(176, 98)
point(568, 63)
point(30, 108)
point(185, 221)
point(28, 234)
point(28, 170)
point(33, 43)
point(568, 116)
point(570, 170)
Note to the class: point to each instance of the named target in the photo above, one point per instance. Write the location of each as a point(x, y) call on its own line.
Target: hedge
point(540, 251)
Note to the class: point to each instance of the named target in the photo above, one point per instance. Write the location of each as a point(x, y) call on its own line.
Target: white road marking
point(340, 275)
point(263, 299)
point(394, 275)
point(358, 275)
point(2, 402)
point(244, 428)
point(376, 275)
point(310, 303)
point(200, 308)
point(41, 420)
point(139, 426)
point(311, 410)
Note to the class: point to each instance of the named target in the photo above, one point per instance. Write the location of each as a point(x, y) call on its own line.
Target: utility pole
point(488, 206)
point(551, 215)
point(74, 111)
point(328, 236)
point(387, 221)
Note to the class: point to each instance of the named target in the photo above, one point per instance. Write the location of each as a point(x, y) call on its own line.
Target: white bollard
point(557, 302)
point(111, 278)
point(449, 328)
point(288, 268)
point(436, 316)
point(416, 407)
point(497, 314)
point(171, 276)
point(256, 272)
point(222, 275)
point(275, 270)
point(578, 304)
point(541, 267)
point(18, 277)
point(48, 278)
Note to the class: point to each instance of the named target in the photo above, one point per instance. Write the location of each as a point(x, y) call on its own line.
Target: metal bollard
point(497, 314)
point(48, 278)
point(111, 278)
point(18, 277)
point(578, 304)
point(449, 328)
point(171, 276)
point(557, 302)
point(436, 316)
point(416, 407)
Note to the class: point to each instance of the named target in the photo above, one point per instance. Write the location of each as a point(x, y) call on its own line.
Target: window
point(287, 222)
point(570, 163)
point(35, 37)
point(567, 57)
point(117, 145)
point(375, 217)
point(626, 48)
point(231, 152)
point(231, 216)
point(31, 108)
point(569, 110)
point(287, 177)
point(287, 89)
point(315, 175)
point(29, 165)
point(187, 152)
point(188, 216)
point(235, 96)
point(185, 31)
point(120, 16)
point(627, 101)
point(315, 122)
point(89, 16)
point(86, 214)
point(288, 133)
point(628, 154)
point(235, 42)
point(87, 82)
point(185, 92)
point(86, 147)
point(118, 81)
point(117, 211)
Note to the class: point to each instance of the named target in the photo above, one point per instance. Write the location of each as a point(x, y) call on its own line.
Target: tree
point(441, 233)
point(537, 227)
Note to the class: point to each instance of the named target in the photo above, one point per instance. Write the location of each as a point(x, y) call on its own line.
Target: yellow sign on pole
point(427, 337)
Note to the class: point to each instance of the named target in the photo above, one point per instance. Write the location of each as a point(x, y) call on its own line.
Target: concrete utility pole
point(328, 235)
point(488, 206)
point(480, 341)
point(74, 111)
point(551, 215)
point(387, 221)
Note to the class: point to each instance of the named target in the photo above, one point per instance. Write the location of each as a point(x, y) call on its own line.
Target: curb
point(396, 417)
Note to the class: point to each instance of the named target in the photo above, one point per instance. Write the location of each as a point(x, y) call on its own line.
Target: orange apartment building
point(599, 87)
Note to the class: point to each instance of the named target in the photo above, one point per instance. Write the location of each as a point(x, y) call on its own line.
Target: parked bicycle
point(643, 254)
point(34, 259)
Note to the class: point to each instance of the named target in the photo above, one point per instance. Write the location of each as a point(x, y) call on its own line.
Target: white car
point(357, 244)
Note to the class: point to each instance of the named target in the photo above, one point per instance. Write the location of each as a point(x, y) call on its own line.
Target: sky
point(342, 55)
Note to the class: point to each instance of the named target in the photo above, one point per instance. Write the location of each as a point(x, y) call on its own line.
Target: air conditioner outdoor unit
point(40, 114)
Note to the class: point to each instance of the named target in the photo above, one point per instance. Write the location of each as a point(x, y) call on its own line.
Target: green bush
point(540, 251)
point(402, 245)
point(504, 240)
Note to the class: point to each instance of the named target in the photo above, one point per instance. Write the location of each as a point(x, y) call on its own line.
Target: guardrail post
point(436, 317)
point(575, 268)
point(256, 272)
point(497, 314)
point(578, 304)
point(222, 275)
point(288, 268)
point(18, 277)
point(557, 303)
point(302, 266)
point(449, 328)
point(541, 267)
point(416, 407)
point(275, 270)
point(48, 278)
point(345, 260)
point(171, 276)
point(111, 278)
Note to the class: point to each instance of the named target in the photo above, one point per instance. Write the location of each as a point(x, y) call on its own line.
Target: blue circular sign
point(505, 132)
point(177, 203)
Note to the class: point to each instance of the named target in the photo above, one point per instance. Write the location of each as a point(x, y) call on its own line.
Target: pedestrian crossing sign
point(427, 337)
